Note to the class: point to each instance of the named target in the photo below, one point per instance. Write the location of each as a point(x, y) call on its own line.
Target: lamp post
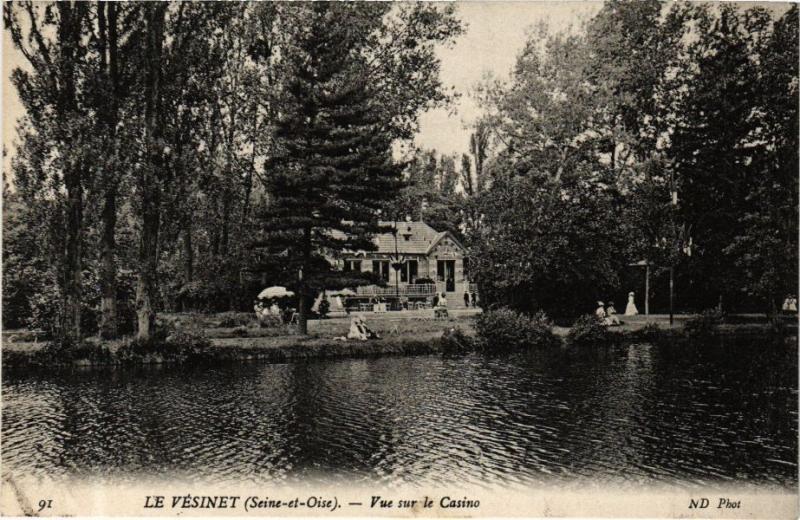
point(397, 264)
point(680, 244)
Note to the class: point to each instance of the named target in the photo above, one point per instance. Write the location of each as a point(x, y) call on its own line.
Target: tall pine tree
point(334, 168)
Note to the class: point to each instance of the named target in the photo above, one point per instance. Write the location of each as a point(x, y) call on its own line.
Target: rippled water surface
point(638, 414)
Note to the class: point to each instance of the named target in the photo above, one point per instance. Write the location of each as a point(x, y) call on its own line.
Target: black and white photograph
point(370, 259)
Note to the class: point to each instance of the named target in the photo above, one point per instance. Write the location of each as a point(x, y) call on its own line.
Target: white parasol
point(276, 291)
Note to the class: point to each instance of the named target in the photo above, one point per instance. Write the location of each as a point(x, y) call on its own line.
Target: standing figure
point(793, 304)
point(630, 309)
point(466, 299)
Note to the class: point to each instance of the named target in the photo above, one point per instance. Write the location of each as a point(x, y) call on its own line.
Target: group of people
point(359, 330)
point(790, 303)
point(470, 299)
point(608, 313)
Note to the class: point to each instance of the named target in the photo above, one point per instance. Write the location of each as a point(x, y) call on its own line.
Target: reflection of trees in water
point(338, 418)
point(33, 418)
point(596, 395)
point(727, 410)
point(166, 420)
point(629, 412)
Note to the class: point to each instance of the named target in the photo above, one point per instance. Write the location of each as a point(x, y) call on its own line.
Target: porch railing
point(411, 290)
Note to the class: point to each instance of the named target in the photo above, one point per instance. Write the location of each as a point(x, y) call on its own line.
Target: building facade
point(423, 255)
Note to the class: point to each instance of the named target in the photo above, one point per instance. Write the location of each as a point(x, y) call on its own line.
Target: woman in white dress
point(630, 309)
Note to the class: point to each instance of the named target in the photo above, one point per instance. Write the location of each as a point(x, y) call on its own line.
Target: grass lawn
point(391, 326)
point(395, 328)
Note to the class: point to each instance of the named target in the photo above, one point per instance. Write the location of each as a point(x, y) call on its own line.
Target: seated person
point(258, 307)
point(359, 330)
point(612, 319)
point(356, 332)
point(601, 311)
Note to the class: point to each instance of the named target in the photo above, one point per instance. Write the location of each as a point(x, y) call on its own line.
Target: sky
point(495, 33)
point(494, 36)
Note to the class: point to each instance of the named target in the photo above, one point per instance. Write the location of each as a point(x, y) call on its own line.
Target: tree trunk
point(226, 217)
point(69, 30)
point(188, 252)
point(146, 285)
point(302, 311)
point(108, 267)
point(73, 266)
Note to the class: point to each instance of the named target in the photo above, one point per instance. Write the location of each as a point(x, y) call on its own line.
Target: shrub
point(235, 319)
point(506, 329)
point(650, 332)
point(64, 351)
point(704, 324)
point(455, 341)
point(170, 345)
point(239, 332)
point(268, 321)
point(589, 331)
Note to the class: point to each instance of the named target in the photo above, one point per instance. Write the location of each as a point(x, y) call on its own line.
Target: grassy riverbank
point(229, 338)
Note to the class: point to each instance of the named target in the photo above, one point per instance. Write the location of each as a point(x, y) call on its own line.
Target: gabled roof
point(439, 237)
point(421, 238)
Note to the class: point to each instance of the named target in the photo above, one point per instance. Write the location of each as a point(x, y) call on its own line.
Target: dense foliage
point(589, 331)
point(503, 329)
point(183, 156)
point(161, 139)
point(683, 153)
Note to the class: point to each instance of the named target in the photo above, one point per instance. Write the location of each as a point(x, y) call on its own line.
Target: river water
point(634, 415)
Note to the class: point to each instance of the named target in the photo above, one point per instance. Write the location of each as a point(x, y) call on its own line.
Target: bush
point(505, 329)
point(650, 332)
point(704, 324)
point(268, 321)
point(235, 319)
point(64, 351)
point(177, 346)
point(589, 331)
point(239, 332)
point(429, 281)
point(454, 341)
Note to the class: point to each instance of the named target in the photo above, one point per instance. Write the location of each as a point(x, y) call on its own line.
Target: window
point(352, 265)
point(409, 272)
point(381, 268)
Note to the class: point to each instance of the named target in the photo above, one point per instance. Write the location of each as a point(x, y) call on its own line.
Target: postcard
point(400, 259)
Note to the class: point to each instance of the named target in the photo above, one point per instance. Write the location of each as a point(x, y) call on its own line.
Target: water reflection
point(637, 414)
